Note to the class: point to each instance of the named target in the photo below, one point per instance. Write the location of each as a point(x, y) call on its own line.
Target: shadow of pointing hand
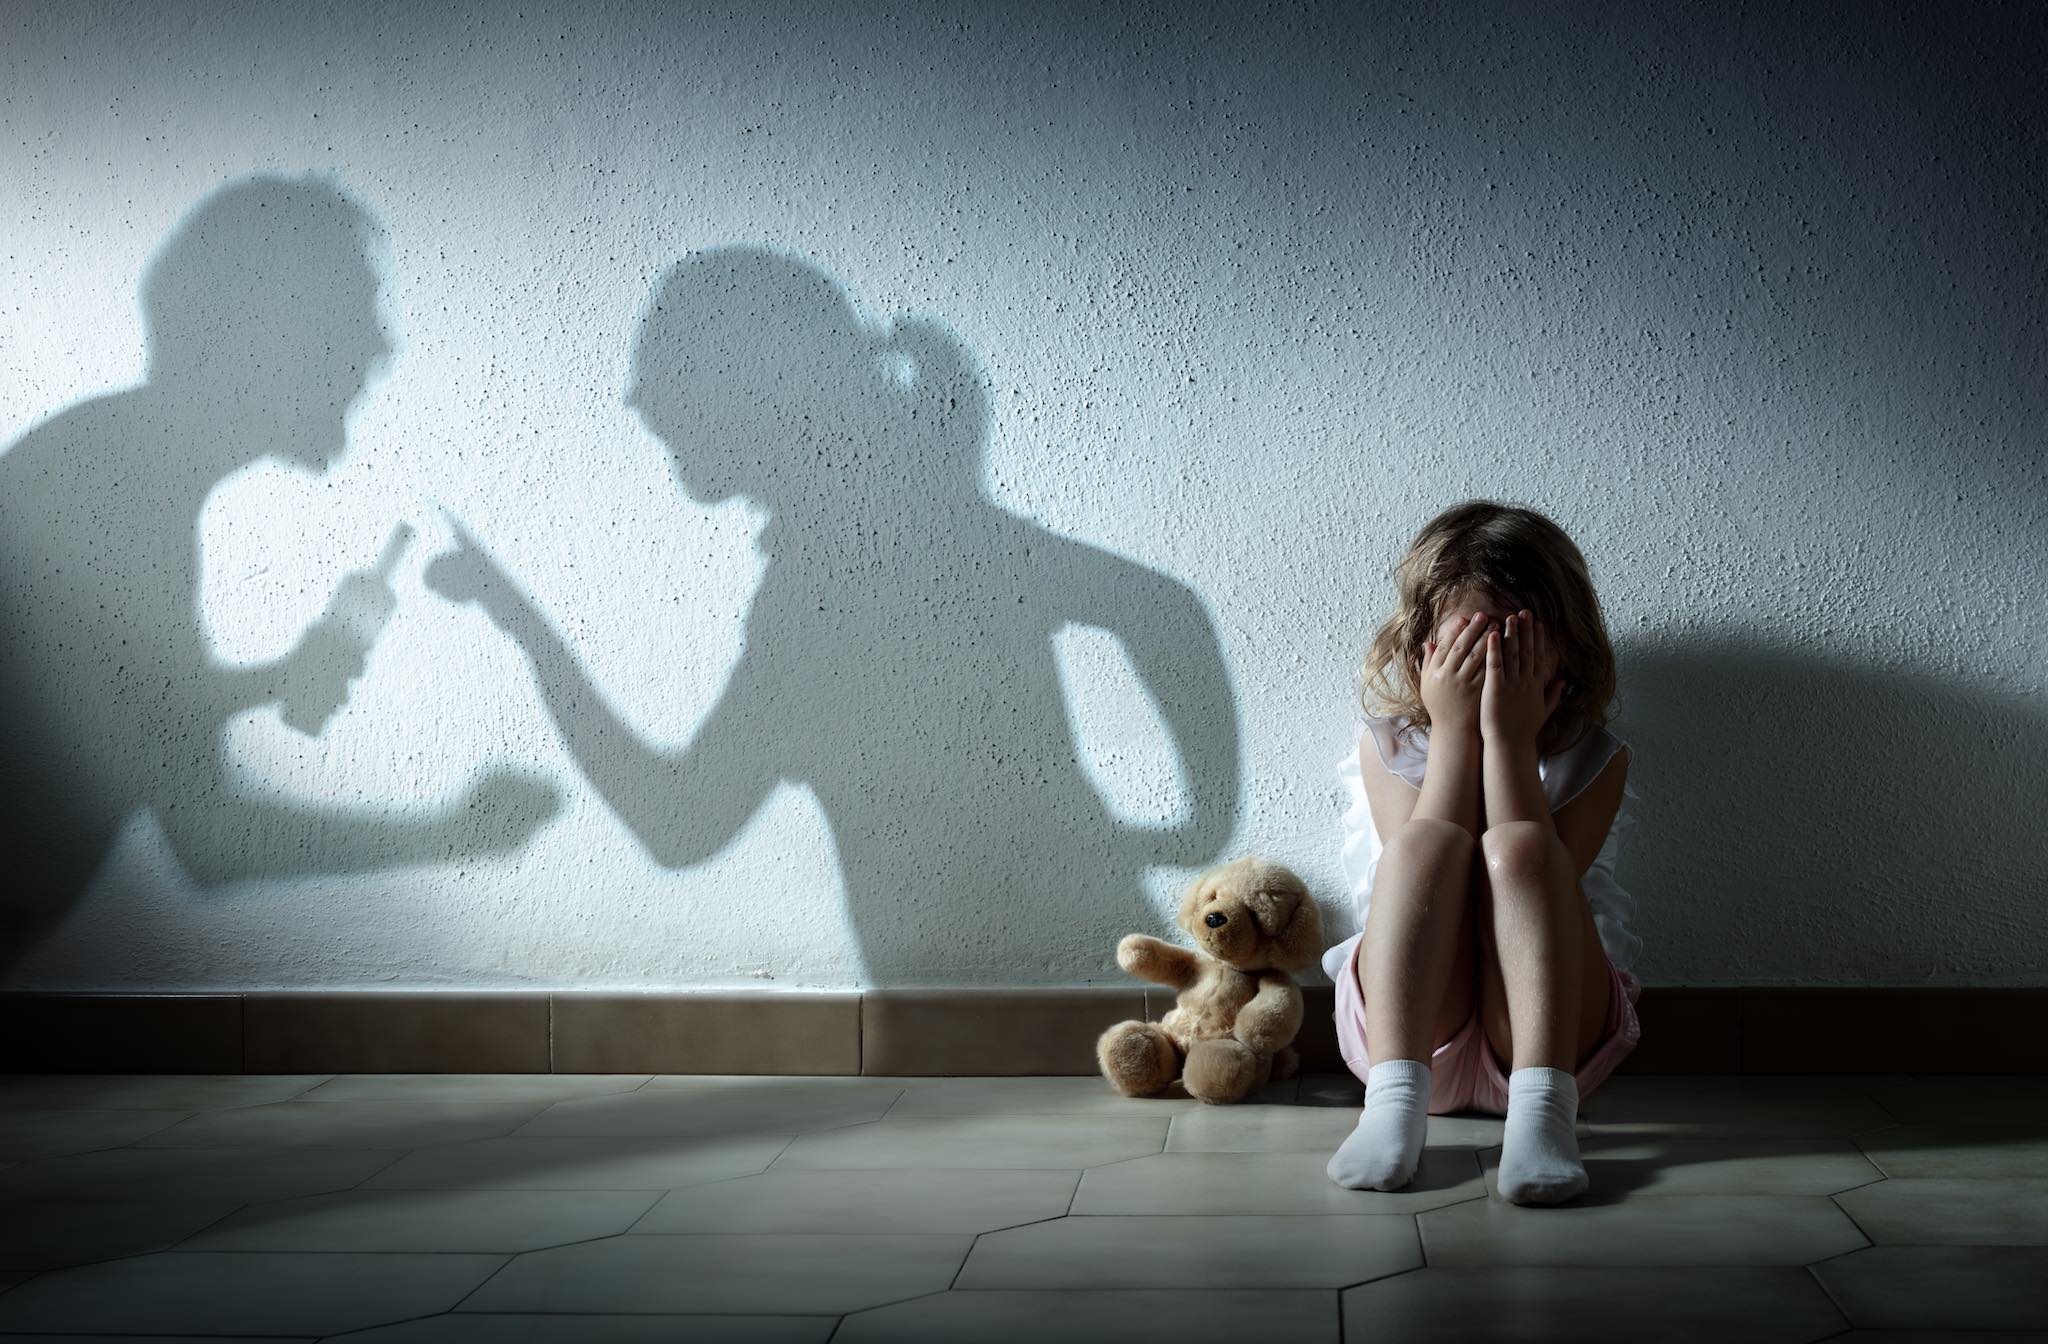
point(467, 574)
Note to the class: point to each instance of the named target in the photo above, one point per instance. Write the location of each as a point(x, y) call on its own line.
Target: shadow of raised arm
point(683, 806)
point(1174, 648)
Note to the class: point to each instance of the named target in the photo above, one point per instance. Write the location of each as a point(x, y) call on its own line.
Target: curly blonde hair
point(1522, 558)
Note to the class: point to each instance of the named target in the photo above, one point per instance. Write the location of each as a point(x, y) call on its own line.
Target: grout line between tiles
point(456, 1305)
point(1853, 1223)
point(1848, 1323)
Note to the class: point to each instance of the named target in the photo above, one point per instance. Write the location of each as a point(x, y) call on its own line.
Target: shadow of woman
point(898, 654)
point(263, 331)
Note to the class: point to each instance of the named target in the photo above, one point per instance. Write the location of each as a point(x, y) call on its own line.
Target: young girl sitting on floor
point(1487, 802)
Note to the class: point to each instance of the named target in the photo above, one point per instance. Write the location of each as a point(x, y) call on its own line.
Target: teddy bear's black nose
point(1217, 921)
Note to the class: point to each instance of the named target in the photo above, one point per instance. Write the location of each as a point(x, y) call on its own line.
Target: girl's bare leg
point(1538, 914)
point(1416, 970)
point(1416, 960)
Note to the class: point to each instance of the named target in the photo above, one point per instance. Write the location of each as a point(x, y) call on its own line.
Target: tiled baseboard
point(942, 1032)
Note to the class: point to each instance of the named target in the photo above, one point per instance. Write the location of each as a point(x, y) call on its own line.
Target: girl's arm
point(1451, 779)
point(1520, 694)
point(1514, 787)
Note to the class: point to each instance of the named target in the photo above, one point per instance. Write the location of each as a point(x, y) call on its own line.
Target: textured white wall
point(1752, 305)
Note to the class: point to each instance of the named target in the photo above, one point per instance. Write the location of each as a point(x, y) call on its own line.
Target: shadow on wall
point(899, 655)
point(1835, 825)
point(263, 330)
point(899, 651)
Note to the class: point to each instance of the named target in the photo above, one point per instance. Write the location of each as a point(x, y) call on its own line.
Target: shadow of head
point(763, 379)
point(265, 298)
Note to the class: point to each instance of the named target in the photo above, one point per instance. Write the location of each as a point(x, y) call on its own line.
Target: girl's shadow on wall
point(1816, 823)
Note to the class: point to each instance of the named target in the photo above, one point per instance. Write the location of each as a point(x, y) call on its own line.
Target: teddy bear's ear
point(1287, 914)
point(1274, 909)
point(1301, 945)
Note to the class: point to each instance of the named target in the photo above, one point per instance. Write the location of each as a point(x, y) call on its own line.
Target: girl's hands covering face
point(1452, 675)
point(1521, 688)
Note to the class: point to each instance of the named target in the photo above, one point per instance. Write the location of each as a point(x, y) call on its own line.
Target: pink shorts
point(1464, 1073)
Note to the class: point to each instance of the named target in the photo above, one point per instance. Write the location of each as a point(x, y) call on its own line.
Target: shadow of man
point(898, 654)
point(263, 331)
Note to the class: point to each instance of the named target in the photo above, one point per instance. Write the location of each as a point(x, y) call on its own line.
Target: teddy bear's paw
point(1220, 1071)
point(1138, 1058)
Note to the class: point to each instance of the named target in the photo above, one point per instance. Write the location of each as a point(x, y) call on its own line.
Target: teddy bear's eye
point(1217, 921)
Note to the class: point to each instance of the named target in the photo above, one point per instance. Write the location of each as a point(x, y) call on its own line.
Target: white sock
point(1539, 1156)
point(1381, 1153)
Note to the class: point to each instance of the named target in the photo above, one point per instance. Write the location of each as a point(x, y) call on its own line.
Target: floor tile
point(1111, 1316)
point(1193, 1251)
point(231, 1176)
point(51, 1233)
point(1273, 1129)
point(881, 1200)
point(1080, 1095)
point(490, 1221)
point(149, 1339)
point(1621, 1166)
point(1935, 1287)
point(998, 1208)
point(1960, 1098)
point(505, 1087)
point(1060, 1143)
point(797, 1274)
point(1592, 1305)
point(1330, 1089)
point(1932, 1336)
point(176, 1292)
point(1730, 1106)
point(1951, 1212)
point(1270, 1183)
point(475, 1327)
point(150, 1091)
point(345, 1124)
point(1976, 1152)
point(1669, 1230)
point(736, 1111)
point(53, 1133)
point(579, 1164)
point(760, 1082)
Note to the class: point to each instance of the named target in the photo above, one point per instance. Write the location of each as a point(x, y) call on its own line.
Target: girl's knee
point(1520, 848)
point(1430, 841)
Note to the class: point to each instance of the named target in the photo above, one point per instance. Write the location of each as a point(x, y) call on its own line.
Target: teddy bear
point(1231, 1029)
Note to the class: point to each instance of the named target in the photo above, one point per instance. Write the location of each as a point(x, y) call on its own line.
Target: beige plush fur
point(1231, 1030)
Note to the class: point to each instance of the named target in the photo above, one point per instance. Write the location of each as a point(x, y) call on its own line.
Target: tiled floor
point(437, 1208)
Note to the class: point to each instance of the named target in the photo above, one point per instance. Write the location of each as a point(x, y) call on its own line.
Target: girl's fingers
point(1461, 645)
point(1471, 650)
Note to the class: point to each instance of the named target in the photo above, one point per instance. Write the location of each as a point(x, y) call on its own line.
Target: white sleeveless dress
point(1563, 776)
